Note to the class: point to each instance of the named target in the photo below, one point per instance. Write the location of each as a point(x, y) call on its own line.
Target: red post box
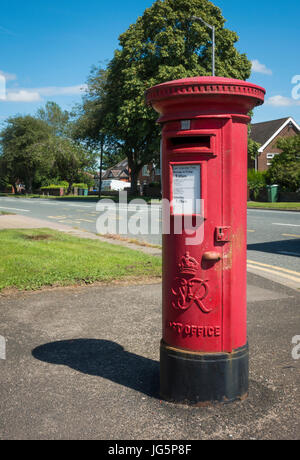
point(204, 349)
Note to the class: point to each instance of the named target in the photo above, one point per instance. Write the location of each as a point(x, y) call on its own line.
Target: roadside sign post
point(204, 348)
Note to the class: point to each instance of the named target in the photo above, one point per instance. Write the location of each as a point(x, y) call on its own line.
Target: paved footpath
point(83, 363)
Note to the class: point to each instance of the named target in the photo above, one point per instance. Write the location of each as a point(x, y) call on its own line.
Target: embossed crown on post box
point(188, 265)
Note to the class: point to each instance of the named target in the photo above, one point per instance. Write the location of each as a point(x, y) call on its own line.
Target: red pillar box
point(204, 350)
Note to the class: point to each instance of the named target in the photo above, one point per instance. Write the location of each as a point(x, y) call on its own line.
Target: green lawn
point(31, 259)
point(287, 206)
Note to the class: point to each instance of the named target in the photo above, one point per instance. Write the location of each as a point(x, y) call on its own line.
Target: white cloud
point(22, 96)
point(61, 90)
point(37, 94)
point(34, 94)
point(260, 68)
point(8, 76)
point(281, 101)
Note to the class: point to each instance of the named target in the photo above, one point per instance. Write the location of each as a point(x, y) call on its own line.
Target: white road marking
point(286, 225)
point(15, 209)
point(78, 205)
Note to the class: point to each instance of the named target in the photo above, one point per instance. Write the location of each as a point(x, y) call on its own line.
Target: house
point(149, 173)
point(267, 134)
point(118, 172)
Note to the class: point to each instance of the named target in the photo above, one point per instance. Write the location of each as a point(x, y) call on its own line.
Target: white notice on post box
point(186, 189)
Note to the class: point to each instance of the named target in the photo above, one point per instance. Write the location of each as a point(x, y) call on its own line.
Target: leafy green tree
point(4, 175)
point(22, 154)
point(89, 127)
point(70, 159)
point(285, 168)
point(164, 44)
point(253, 146)
point(256, 182)
point(57, 119)
point(88, 124)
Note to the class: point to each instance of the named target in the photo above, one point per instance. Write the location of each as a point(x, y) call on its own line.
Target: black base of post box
point(198, 378)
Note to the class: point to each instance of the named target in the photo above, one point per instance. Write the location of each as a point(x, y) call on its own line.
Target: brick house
point(149, 173)
point(267, 134)
point(119, 171)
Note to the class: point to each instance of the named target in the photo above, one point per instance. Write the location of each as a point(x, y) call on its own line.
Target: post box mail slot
point(196, 141)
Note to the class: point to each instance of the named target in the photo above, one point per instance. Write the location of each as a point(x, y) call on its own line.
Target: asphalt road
point(273, 236)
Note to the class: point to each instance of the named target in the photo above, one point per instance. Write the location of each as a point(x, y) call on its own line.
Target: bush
point(81, 185)
point(55, 184)
point(285, 168)
point(256, 182)
point(51, 187)
point(154, 184)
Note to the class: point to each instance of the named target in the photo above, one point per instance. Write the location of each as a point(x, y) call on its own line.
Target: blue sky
point(48, 48)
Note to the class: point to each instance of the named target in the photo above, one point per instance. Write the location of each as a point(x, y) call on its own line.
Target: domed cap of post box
point(204, 96)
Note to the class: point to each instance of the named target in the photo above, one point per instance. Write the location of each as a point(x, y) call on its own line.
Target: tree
point(6, 177)
point(256, 182)
point(285, 168)
point(164, 44)
point(57, 119)
point(22, 154)
point(253, 148)
point(89, 127)
point(70, 159)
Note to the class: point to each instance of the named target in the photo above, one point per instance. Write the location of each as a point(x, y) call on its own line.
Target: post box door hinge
point(223, 234)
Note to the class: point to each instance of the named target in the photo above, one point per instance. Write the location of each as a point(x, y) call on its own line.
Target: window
point(270, 156)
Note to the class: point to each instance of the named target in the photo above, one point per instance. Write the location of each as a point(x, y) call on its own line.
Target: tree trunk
point(29, 186)
point(134, 173)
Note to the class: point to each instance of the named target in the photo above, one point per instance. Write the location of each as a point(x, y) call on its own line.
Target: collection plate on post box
point(186, 189)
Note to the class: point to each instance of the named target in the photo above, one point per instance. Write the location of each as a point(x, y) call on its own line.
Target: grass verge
point(32, 259)
point(280, 206)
